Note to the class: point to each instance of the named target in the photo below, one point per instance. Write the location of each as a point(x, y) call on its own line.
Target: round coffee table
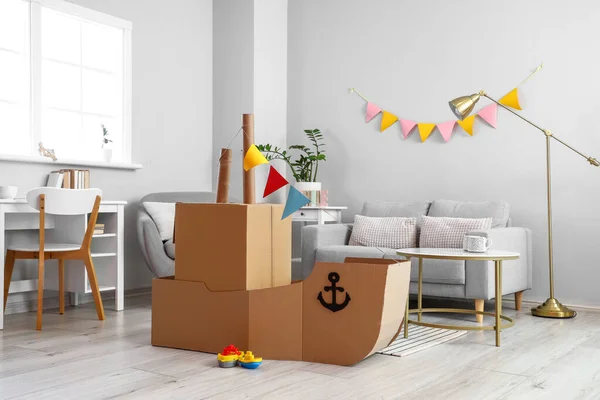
point(458, 254)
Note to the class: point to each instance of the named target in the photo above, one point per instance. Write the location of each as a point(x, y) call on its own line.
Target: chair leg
point(518, 300)
point(89, 265)
point(61, 286)
point(9, 265)
point(479, 303)
point(40, 300)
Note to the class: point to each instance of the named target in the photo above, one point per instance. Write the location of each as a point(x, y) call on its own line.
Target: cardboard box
point(292, 322)
point(233, 246)
point(186, 315)
point(372, 318)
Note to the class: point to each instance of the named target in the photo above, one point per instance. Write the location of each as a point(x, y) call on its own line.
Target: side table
point(319, 214)
point(458, 254)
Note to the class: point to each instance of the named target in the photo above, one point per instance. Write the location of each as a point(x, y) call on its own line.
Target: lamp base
point(552, 308)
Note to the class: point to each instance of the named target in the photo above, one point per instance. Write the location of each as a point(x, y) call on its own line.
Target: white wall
point(172, 113)
point(270, 84)
point(233, 81)
point(250, 76)
point(411, 58)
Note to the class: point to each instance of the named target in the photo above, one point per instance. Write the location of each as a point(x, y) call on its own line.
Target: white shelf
point(83, 163)
point(102, 288)
point(104, 235)
point(96, 255)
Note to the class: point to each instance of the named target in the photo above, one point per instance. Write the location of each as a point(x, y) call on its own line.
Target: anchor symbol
point(334, 278)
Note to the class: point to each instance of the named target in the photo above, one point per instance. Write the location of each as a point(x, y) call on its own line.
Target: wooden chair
point(54, 201)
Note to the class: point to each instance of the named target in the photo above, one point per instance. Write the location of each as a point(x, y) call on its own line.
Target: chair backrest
point(64, 201)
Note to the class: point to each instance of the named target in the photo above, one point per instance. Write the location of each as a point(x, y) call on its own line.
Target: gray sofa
point(159, 256)
point(441, 278)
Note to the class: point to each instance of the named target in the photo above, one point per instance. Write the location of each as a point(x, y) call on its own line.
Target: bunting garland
point(425, 130)
point(445, 129)
point(387, 120)
point(294, 202)
point(275, 181)
point(407, 126)
point(372, 111)
point(488, 114)
point(467, 124)
point(511, 99)
point(253, 158)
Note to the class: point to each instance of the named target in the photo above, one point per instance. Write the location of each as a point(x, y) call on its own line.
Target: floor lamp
point(462, 107)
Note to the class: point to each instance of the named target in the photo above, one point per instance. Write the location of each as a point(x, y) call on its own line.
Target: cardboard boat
point(232, 285)
point(300, 321)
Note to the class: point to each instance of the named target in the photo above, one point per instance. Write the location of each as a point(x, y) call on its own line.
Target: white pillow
point(447, 232)
point(388, 232)
point(163, 215)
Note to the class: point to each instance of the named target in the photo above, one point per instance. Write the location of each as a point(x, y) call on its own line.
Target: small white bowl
point(8, 192)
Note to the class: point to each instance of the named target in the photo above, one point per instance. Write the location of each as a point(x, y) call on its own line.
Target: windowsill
point(82, 163)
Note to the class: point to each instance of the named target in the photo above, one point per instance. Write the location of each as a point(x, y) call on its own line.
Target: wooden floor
point(76, 356)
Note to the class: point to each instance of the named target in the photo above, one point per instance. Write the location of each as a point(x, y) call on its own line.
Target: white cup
point(476, 244)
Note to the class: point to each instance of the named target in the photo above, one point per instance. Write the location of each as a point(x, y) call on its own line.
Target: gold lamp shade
point(463, 105)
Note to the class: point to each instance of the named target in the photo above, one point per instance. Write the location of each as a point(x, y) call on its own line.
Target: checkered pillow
point(389, 232)
point(446, 232)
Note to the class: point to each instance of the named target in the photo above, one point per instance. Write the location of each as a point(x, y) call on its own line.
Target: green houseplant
point(306, 166)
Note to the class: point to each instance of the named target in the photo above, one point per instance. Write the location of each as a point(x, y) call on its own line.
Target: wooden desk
point(18, 221)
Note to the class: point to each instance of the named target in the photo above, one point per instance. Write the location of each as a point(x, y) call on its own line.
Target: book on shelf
point(55, 179)
point(99, 229)
point(74, 179)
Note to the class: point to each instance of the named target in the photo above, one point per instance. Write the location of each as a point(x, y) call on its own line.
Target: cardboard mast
point(248, 129)
point(224, 168)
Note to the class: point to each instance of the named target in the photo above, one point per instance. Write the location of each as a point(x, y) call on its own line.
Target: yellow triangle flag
point(511, 99)
point(467, 124)
point(387, 120)
point(253, 158)
point(425, 130)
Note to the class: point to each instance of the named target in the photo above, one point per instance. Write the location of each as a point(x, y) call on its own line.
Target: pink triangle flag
point(445, 129)
point(372, 111)
point(489, 114)
point(406, 126)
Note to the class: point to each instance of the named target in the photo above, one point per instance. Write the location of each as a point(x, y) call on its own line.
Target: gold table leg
point(498, 267)
point(406, 316)
point(407, 307)
point(420, 290)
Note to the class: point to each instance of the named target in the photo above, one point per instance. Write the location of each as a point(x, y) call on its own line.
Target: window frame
point(35, 104)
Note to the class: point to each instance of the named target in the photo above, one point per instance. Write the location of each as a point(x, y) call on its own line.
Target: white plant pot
point(310, 190)
point(107, 153)
point(307, 186)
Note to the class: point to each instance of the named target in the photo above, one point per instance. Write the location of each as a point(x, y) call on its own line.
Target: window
point(64, 74)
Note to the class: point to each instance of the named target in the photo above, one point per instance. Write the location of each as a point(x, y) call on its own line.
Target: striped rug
point(419, 338)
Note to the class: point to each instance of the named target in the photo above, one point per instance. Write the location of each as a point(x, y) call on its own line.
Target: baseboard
point(508, 299)
point(52, 302)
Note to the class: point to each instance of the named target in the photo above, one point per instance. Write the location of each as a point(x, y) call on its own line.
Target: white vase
point(107, 154)
point(310, 190)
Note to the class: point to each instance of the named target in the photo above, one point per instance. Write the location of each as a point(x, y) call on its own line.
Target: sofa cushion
point(163, 215)
point(434, 271)
point(390, 232)
point(497, 210)
point(447, 232)
point(170, 248)
point(413, 209)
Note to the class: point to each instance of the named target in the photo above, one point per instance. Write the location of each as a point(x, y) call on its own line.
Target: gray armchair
point(159, 256)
